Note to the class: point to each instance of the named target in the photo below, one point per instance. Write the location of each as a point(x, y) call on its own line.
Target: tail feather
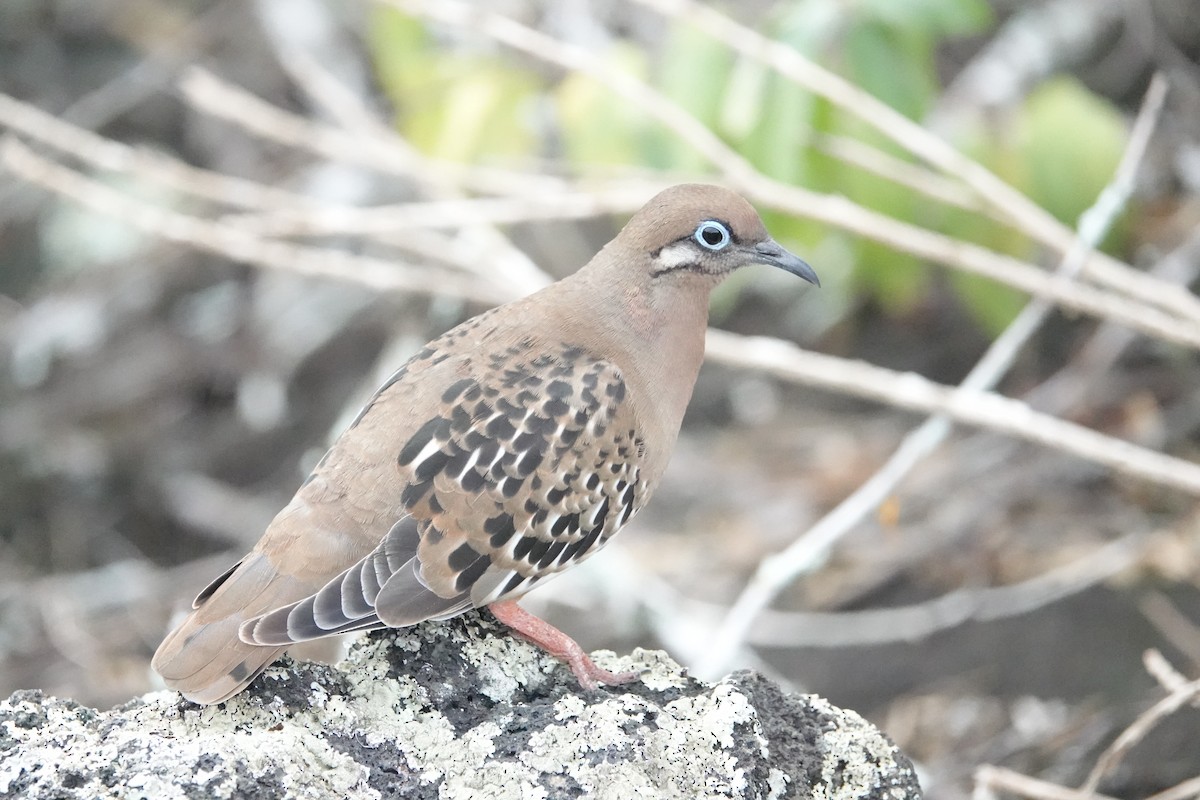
point(203, 657)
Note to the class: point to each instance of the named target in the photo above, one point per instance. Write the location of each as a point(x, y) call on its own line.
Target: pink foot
point(559, 645)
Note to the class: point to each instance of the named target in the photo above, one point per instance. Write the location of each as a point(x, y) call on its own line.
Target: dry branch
point(777, 571)
point(1007, 201)
point(235, 244)
point(834, 210)
point(921, 620)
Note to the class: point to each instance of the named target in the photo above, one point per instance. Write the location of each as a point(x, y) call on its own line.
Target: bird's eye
point(712, 235)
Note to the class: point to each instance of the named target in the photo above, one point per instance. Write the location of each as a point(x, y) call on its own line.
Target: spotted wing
point(530, 466)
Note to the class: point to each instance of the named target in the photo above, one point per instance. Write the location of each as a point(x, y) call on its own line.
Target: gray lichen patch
point(453, 710)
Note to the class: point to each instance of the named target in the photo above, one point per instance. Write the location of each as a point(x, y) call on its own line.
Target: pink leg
point(557, 644)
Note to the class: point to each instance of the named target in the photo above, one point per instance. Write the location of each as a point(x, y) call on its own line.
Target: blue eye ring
point(712, 235)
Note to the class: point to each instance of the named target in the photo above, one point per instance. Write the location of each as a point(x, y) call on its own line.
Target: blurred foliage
point(1060, 148)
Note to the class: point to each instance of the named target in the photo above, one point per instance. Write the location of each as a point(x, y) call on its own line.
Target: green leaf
point(810, 25)
point(483, 113)
point(893, 66)
point(694, 71)
point(462, 108)
point(778, 144)
point(401, 53)
point(1072, 141)
point(935, 18)
point(993, 305)
point(897, 281)
point(599, 128)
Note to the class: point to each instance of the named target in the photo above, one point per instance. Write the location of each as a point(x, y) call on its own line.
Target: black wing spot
point(434, 428)
point(523, 546)
point(601, 517)
point(501, 428)
point(472, 481)
point(501, 528)
point(462, 557)
point(567, 524)
point(456, 389)
point(538, 551)
point(466, 579)
point(586, 542)
point(560, 389)
point(528, 440)
point(551, 554)
point(456, 465)
point(529, 462)
point(556, 408)
point(413, 493)
point(571, 551)
point(431, 466)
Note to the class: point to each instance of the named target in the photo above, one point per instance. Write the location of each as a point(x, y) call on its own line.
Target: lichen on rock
point(456, 709)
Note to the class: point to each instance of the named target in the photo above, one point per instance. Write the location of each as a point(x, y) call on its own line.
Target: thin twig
point(504, 262)
point(989, 778)
point(857, 153)
point(833, 210)
point(222, 100)
point(1006, 200)
point(783, 360)
point(236, 244)
point(262, 118)
point(965, 405)
point(104, 153)
point(777, 571)
point(148, 75)
point(940, 249)
point(443, 213)
point(1068, 387)
point(1162, 671)
point(921, 620)
point(1174, 626)
point(1187, 790)
point(1137, 731)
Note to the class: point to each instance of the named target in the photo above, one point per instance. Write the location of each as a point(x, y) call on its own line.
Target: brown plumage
point(509, 449)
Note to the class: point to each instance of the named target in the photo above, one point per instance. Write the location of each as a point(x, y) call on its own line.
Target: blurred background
point(194, 300)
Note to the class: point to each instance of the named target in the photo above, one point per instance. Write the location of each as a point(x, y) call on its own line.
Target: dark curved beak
point(769, 252)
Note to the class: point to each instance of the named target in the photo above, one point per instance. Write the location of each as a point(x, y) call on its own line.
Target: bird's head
point(700, 230)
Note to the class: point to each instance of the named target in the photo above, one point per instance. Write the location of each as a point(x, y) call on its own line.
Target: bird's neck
point(654, 332)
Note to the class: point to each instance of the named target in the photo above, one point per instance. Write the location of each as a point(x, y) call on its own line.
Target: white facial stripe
point(676, 255)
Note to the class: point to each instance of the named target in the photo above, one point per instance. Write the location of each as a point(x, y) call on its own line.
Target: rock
point(458, 709)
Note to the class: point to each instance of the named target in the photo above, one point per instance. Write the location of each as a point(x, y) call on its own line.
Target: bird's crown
point(678, 213)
